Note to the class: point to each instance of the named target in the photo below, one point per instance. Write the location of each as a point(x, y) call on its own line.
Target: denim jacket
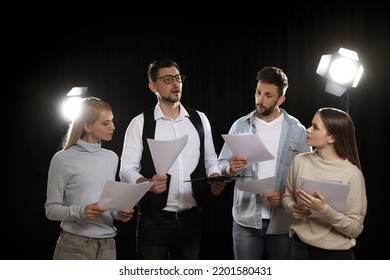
point(247, 206)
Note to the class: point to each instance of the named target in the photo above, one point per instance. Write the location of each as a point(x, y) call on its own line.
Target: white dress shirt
point(180, 193)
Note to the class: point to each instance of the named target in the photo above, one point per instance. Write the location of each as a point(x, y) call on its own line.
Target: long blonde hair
point(90, 109)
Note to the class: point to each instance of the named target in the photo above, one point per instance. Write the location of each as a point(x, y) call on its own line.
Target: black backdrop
point(48, 53)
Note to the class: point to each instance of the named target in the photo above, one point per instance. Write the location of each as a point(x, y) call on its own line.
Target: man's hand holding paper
point(236, 164)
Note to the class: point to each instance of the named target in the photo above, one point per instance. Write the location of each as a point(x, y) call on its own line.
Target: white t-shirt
point(269, 133)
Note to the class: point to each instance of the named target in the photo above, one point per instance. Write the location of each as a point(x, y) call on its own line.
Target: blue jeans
point(164, 236)
point(254, 244)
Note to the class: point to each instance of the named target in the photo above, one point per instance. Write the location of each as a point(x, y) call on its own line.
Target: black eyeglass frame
point(168, 79)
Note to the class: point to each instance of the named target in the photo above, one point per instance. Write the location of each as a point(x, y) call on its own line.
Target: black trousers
point(303, 251)
point(169, 235)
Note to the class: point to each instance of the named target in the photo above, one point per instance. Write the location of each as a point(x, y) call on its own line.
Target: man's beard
point(169, 99)
point(268, 111)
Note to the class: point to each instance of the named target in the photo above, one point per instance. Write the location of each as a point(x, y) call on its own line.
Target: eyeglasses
point(168, 79)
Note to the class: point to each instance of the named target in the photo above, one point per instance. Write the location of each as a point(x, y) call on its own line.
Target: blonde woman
point(76, 178)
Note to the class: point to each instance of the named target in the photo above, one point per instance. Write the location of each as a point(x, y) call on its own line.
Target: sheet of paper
point(258, 186)
point(334, 191)
point(300, 181)
point(165, 152)
point(249, 146)
point(121, 196)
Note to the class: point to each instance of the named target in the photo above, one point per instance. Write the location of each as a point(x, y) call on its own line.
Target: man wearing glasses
point(169, 215)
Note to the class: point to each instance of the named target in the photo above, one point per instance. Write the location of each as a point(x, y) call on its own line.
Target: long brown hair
point(339, 124)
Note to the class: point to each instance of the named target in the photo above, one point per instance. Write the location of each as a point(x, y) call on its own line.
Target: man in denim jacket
point(260, 223)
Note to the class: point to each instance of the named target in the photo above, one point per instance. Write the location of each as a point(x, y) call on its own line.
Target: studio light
point(342, 70)
point(71, 103)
